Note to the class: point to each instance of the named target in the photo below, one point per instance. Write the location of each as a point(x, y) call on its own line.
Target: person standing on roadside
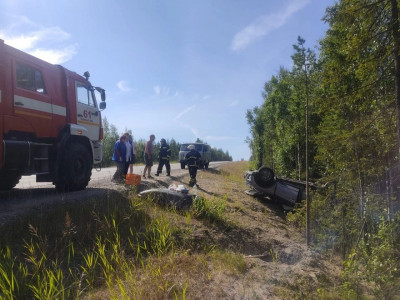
point(192, 159)
point(164, 156)
point(130, 153)
point(148, 156)
point(119, 157)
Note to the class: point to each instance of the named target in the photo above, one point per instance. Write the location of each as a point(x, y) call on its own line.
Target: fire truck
point(50, 122)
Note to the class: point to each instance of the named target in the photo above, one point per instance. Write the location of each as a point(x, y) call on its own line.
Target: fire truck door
point(88, 114)
point(31, 100)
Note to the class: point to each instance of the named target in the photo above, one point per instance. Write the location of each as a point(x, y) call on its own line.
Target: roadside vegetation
point(352, 85)
point(122, 246)
point(228, 245)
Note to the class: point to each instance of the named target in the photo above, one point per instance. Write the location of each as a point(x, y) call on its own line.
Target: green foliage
point(110, 137)
point(375, 262)
point(278, 126)
point(211, 210)
point(353, 141)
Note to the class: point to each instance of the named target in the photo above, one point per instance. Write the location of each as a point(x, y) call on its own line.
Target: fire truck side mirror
point(102, 93)
point(103, 105)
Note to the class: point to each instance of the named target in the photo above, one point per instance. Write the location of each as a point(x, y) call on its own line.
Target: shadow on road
point(20, 202)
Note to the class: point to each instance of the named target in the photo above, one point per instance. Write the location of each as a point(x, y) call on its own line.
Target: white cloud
point(47, 43)
point(185, 111)
point(54, 56)
point(163, 94)
point(21, 42)
point(265, 24)
point(123, 86)
point(234, 103)
point(177, 118)
point(161, 90)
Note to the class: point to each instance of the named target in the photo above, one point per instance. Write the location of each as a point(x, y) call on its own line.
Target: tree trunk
point(396, 46)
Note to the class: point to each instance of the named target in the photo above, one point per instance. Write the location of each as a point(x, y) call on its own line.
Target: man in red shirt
point(148, 156)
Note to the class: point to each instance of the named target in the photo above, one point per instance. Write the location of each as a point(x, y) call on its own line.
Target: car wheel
point(265, 177)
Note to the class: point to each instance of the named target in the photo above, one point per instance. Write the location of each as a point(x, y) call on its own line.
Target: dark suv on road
point(204, 150)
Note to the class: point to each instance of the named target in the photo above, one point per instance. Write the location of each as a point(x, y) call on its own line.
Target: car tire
point(265, 177)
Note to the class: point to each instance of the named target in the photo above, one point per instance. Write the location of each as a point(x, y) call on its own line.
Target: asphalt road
point(105, 174)
point(31, 197)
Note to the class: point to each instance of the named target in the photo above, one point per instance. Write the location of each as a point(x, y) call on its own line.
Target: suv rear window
point(184, 147)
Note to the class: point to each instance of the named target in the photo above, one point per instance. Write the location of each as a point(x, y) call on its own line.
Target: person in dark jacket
point(192, 159)
point(164, 156)
point(119, 156)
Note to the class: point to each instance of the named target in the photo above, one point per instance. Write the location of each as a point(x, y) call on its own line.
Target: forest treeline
point(351, 83)
point(111, 135)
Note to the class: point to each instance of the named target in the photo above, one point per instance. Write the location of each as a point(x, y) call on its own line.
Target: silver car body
point(287, 192)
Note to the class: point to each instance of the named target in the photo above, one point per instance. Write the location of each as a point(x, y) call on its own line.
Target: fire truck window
point(39, 82)
point(84, 95)
point(29, 78)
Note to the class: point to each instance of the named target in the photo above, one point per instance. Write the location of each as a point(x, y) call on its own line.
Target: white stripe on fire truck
point(24, 102)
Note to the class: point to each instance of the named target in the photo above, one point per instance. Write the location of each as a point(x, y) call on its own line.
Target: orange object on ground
point(133, 179)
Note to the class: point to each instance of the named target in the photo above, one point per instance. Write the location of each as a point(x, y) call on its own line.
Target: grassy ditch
point(119, 246)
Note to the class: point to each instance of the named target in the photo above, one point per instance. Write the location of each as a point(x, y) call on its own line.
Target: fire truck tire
point(76, 168)
point(8, 179)
point(265, 177)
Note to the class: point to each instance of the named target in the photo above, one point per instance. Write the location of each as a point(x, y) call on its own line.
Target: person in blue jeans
point(119, 157)
point(130, 153)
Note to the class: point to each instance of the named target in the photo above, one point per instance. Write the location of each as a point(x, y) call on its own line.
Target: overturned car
point(264, 183)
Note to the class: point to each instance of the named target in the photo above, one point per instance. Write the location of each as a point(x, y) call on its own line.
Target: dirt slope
point(249, 252)
point(278, 264)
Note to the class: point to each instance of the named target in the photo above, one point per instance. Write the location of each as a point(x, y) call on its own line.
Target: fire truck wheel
point(76, 168)
point(8, 179)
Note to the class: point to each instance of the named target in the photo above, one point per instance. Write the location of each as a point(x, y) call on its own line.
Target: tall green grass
point(211, 210)
point(72, 251)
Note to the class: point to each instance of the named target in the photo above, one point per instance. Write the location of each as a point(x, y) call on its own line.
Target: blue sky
point(181, 69)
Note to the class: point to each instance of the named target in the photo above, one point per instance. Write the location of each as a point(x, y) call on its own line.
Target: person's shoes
point(151, 177)
point(168, 174)
point(144, 176)
point(156, 174)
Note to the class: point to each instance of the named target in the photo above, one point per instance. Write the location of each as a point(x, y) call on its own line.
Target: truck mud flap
point(16, 155)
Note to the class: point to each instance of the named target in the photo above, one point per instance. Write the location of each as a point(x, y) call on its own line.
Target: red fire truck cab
point(50, 122)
